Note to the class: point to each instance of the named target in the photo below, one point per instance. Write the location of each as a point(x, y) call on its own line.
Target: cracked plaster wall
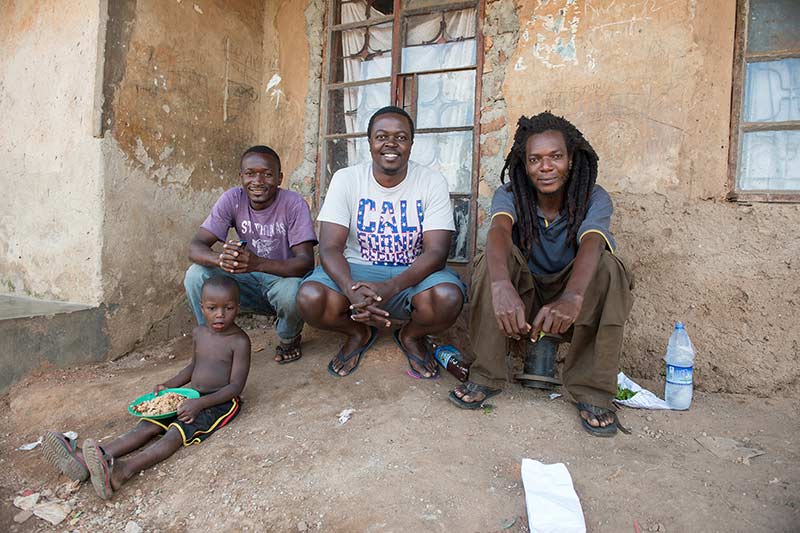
point(289, 117)
point(50, 163)
point(648, 81)
point(182, 101)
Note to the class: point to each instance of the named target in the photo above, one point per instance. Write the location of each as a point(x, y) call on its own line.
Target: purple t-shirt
point(270, 233)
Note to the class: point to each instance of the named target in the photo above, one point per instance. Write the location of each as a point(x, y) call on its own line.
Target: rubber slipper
point(61, 452)
point(411, 357)
point(598, 431)
point(359, 353)
point(100, 467)
point(282, 349)
point(473, 388)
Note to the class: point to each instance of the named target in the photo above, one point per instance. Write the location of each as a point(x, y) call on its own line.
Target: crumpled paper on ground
point(31, 445)
point(27, 503)
point(53, 512)
point(643, 399)
point(553, 506)
point(345, 415)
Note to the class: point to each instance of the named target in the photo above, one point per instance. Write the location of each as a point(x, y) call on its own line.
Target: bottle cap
point(679, 325)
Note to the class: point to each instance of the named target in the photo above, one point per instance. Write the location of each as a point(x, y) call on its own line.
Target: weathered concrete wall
point(182, 92)
point(59, 339)
point(649, 84)
point(648, 80)
point(50, 163)
point(289, 115)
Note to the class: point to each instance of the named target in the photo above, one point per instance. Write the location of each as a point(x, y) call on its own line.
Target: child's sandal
point(100, 466)
point(61, 452)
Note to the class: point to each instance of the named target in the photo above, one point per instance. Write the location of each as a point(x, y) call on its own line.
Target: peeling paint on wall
point(292, 86)
point(554, 26)
point(273, 89)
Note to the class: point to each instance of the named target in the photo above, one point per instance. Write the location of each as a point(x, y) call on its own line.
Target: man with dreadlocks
point(549, 268)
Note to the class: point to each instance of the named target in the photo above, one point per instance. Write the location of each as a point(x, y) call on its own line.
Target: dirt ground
point(406, 460)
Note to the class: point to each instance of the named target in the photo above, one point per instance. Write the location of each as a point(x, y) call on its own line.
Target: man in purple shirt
point(274, 251)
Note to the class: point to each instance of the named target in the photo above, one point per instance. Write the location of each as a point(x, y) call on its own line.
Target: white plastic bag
point(553, 506)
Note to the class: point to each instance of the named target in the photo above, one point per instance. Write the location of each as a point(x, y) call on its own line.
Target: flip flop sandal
point(472, 389)
point(411, 357)
point(599, 431)
point(284, 349)
point(61, 452)
point(100, 466)
point(359, 353)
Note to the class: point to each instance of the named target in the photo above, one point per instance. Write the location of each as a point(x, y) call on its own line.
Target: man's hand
point(158, 388)
point(509, 310)
point(367, 300)
point(558, 316)
point(189, 410)
point(237, 259)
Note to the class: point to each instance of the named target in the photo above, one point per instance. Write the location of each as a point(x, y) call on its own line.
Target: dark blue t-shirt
point(554, 253)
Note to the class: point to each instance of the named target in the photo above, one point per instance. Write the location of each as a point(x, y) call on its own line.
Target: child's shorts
point(207, 421)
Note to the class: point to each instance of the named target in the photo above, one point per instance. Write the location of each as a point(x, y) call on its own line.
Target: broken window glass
point(350, 107)
point(459, 247)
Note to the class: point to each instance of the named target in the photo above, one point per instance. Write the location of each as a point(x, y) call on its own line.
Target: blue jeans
point(259, 292)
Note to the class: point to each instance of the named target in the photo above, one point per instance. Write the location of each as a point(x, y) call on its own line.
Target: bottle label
point(443, 354)
point(679, 375)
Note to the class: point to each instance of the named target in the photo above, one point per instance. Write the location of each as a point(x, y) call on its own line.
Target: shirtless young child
point(218, 370)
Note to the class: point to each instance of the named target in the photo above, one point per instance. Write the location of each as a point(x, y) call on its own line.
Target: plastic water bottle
point(680, 361)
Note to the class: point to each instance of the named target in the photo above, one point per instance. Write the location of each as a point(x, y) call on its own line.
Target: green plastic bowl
point(188, 393)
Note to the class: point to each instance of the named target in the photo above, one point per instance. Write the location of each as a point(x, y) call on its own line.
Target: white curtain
point(444, 100)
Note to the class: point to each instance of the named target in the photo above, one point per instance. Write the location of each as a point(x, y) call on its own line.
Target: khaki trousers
point(592, 363)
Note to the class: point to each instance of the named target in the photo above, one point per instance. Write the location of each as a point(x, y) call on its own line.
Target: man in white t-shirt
point(385, 230)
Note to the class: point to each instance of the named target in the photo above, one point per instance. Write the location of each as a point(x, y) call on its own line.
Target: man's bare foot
point(340, 364)
point(469, 395)
point(287, 352)
point(462, 393)
point(417, 351)
point(599, 421)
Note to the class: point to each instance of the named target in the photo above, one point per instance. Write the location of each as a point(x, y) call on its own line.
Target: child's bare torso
point(213, 357)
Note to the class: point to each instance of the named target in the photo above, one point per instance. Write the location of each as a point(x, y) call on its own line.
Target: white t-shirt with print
point(386, 225)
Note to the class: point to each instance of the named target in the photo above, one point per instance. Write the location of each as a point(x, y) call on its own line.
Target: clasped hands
point(366, 301)
point(509, 311)
point(236, 258)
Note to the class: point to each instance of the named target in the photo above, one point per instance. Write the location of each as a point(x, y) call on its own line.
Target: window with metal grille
point(423, 56)
point(765, 155)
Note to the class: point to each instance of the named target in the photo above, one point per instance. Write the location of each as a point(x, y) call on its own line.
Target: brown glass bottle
point(451, 359)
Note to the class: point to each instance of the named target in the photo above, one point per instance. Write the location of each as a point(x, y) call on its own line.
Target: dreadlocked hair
point(580, 180)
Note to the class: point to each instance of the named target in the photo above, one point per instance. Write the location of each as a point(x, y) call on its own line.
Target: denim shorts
point(400, 304)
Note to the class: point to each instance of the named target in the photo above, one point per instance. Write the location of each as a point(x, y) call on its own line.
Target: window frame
point(741, 58)
point(397, 80)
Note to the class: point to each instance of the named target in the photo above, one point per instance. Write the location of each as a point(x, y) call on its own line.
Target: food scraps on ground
point(166, 403)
